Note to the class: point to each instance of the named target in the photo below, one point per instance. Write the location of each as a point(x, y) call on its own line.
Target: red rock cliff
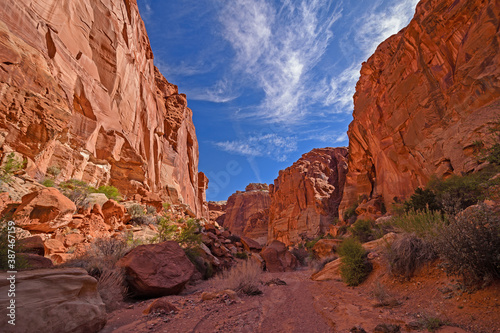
point(305, 197)
point(423, 98)
point(247, 213)
point(78, 90)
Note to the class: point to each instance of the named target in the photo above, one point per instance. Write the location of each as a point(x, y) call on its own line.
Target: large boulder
point(157, 269)
point(44, 210)
point(325, 248)
point(113, 211)
point(278, 258)
point(54, 301)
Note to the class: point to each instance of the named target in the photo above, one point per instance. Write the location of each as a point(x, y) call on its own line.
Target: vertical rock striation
point(79, 91)
point(305, 197)
point(423, 98)
point(247, 213)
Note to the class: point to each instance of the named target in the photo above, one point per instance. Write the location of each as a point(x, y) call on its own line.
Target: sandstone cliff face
point(423, 98)
point(305, 197)
point(79, 91)
point(247, 213)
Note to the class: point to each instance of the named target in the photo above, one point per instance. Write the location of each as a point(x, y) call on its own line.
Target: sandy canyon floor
point(303, 305)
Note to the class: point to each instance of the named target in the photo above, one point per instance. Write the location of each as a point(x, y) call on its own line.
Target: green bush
point(53, 171)
point(362, 230)
point(241, 255)
point(424, 223)
point(458, 192)
point(187, 234)
point(10, 167)
point(76, 190)
point(135, 210)
point(47, 182)
point(422, 199)
point(470, 245)
point(350, 213)
point(111, 192)
point(355, 267)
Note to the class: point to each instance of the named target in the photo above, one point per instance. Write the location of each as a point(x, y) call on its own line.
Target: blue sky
point(267, 80)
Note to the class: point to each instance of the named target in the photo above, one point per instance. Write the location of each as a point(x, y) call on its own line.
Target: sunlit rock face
point(423, 98)
point(247, 213)
point(305, 197)
point(79, 91)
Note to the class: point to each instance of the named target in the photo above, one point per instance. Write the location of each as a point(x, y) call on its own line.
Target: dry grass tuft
point(242, 278)
point(383, 298)
point(112, 288)
point(408, 253)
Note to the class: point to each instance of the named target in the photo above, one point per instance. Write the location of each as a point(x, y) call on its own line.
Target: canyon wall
point(79, 92)
point(423, 98)
point(305, 197)
point(247, 213)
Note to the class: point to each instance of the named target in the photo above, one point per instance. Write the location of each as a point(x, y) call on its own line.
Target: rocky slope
point(305, 197)
point(423, 98)
point(79, 92)
point(247, 213)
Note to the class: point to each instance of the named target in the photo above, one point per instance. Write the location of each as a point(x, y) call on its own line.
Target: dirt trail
point(306, 306)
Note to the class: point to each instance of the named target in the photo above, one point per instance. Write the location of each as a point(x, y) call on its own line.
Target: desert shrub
point(102, 254)
point(189, 234)
point(11, 166)
point(301, 254)
point(143, 220)
point(422, 223)
point(243, 278)
point(76, 190)
point(111, 192)
point(470, 245)
point(150, 210)
point(166, 229)
point(53, 171)
point(408, 253)
point(422, 199)
point(309, 244)
point(185, 232)
point(241, 255)
point(135, 210)
point(362, 230)
point(458, 192)
point(47, 182)
point(382, 296)
point(350, 214)
point(9, 243)
point(112, 288)
point(354, 267)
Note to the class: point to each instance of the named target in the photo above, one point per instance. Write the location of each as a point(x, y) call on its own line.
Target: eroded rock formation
point(59, 300)
point(423, 98)
point(305, 197)
point(79, 93)
point(247, 213)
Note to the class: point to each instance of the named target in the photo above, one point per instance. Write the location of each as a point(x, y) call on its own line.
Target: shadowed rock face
point(305, 197)
point(423, 98)
point(79, 91)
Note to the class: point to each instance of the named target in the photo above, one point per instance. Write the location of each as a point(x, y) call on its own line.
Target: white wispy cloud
point(270, 145)
point(221, 92)
point(277, 47)
point(366, 34)
point(377, 25)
